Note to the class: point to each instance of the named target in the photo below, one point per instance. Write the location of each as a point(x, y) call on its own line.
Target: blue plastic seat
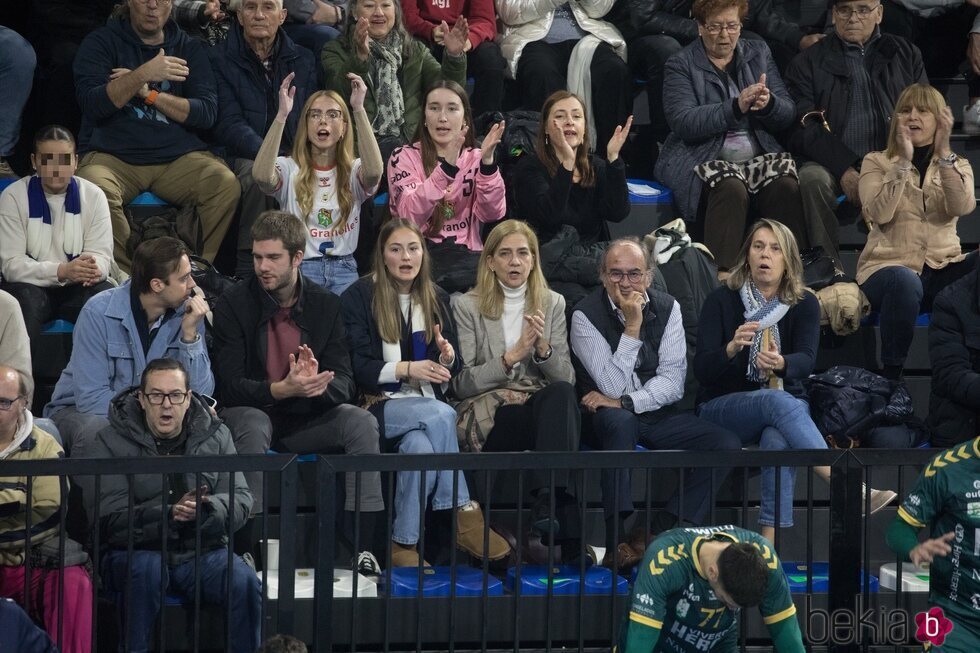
point(666, 196)
point(148, 199)
point(58, 326)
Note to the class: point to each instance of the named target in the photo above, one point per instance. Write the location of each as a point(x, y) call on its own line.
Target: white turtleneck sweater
point(512, 319)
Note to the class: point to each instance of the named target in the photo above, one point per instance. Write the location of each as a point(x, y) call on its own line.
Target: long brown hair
point(546, 152)
point(488, 290)
point(305, 183)
point(430, 154)
point(384, 305)
point(791, 288)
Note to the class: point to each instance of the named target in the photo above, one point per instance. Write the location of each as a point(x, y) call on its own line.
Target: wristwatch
point(948, 160)
point(627, 403)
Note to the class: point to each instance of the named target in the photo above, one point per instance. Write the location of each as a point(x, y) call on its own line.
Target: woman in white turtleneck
point(517, 382)
point(403, 352)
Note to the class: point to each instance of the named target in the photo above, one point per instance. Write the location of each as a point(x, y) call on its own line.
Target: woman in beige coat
point(913, 193)
point(517, 383)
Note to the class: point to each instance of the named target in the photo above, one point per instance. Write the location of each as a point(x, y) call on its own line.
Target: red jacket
point(423, 15)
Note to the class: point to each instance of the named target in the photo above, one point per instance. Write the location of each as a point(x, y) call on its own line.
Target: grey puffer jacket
point(699, 110)
point(127, 436)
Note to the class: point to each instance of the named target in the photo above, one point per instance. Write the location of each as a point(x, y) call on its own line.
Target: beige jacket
point(913, 226)
point(481, 342)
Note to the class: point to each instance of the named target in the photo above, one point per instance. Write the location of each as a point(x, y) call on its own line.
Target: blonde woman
point(322, 182)
point(403, 351)
point(517, 378)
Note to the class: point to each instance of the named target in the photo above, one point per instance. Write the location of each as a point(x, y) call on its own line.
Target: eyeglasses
point(715, 28)
point(6, 404)
point(156, 398)
point(633, 275)
point(333, 115)
point(862, 12)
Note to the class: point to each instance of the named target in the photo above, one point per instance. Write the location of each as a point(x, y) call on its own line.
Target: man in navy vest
point(630, 362)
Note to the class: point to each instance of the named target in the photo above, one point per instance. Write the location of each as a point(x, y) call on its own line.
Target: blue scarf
point(39, 222)
point(767, 313)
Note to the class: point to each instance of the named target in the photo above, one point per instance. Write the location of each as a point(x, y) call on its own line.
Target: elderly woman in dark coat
point(724, 102)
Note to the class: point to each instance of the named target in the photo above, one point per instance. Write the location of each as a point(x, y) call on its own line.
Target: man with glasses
point(165, 417)
point(249, 67)
point(630, 360)
point(146, 91)
point(845, 89)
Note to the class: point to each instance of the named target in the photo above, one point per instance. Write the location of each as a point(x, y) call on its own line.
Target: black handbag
point(820, 270)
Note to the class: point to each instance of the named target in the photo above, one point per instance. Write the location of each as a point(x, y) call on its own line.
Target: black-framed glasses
point(617, 275)
point(156, 398)
point(862, 11)
point(6, 404)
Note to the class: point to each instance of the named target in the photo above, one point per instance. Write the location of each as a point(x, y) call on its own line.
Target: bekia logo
point(932, 626)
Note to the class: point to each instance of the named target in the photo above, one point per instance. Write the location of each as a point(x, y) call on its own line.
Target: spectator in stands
point(845, 88)
point(913, 193)
point(141, 125)
point(657, 30)
point(322, 181)
point(22, 440)
point(55, 236)
point(403, 350)
point(314, 23)
point(722, 157)
point(630, 363)
point(954, 352)
point(428, 21)
point(516, 383)
point(17, 62)
point(449, 187)
point(757, 342)
point(568, 194)
point(15, 345)
point(19, 633)
point(164, 517)
point(947, 32)
point(398, 69)
point(553, 46)
point(249, 68)
point(943, 501)
point(280, 345)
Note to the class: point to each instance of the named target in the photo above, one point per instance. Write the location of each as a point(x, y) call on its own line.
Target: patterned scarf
point(386, 60)
point(39, 220)
point(767, 313)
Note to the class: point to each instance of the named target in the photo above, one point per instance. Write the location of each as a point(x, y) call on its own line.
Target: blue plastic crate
point(666, 196)
point(796, 576)
point(565, 580)
point(437, 582)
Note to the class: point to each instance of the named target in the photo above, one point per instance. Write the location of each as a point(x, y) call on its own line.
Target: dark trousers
point(899, 295)
point(617, 429)
point(647, 56)
point(40, 305)
point(487, 66)
point(942, 39)
point(723, 214)
point(543, 69)
point(550, 420)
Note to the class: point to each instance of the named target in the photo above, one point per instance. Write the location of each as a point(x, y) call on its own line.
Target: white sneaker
point(879, 499)
point(367, 565)
point(971, 118)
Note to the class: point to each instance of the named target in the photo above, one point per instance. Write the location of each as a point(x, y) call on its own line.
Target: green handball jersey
point(674, 610)
point(945, 499)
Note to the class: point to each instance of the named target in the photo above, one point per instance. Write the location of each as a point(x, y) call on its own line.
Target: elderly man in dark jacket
point(845, 89)
point(249, 68)
point(954, 350)
point(162, 417)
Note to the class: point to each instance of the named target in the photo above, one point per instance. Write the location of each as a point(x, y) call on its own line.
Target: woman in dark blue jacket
point(404, 353)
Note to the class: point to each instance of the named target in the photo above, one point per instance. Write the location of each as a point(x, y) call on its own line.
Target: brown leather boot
point(469, 534)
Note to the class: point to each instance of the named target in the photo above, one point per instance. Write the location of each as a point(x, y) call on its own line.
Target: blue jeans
point(424, 426)
point(773, 419)
point(17, 62)
point(144, 604)
point(899, 294)
point(335, 273)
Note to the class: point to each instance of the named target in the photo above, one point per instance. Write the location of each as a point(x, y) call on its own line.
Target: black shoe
point(542, 521)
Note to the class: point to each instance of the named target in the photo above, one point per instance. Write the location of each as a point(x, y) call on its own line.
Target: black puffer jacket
point(818, 78)
point(673, 18)
point(128, 437)
point(954, 349)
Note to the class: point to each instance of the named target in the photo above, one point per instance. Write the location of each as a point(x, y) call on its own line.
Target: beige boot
point(469, 534)
point(405, 556)
point(879, 499)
